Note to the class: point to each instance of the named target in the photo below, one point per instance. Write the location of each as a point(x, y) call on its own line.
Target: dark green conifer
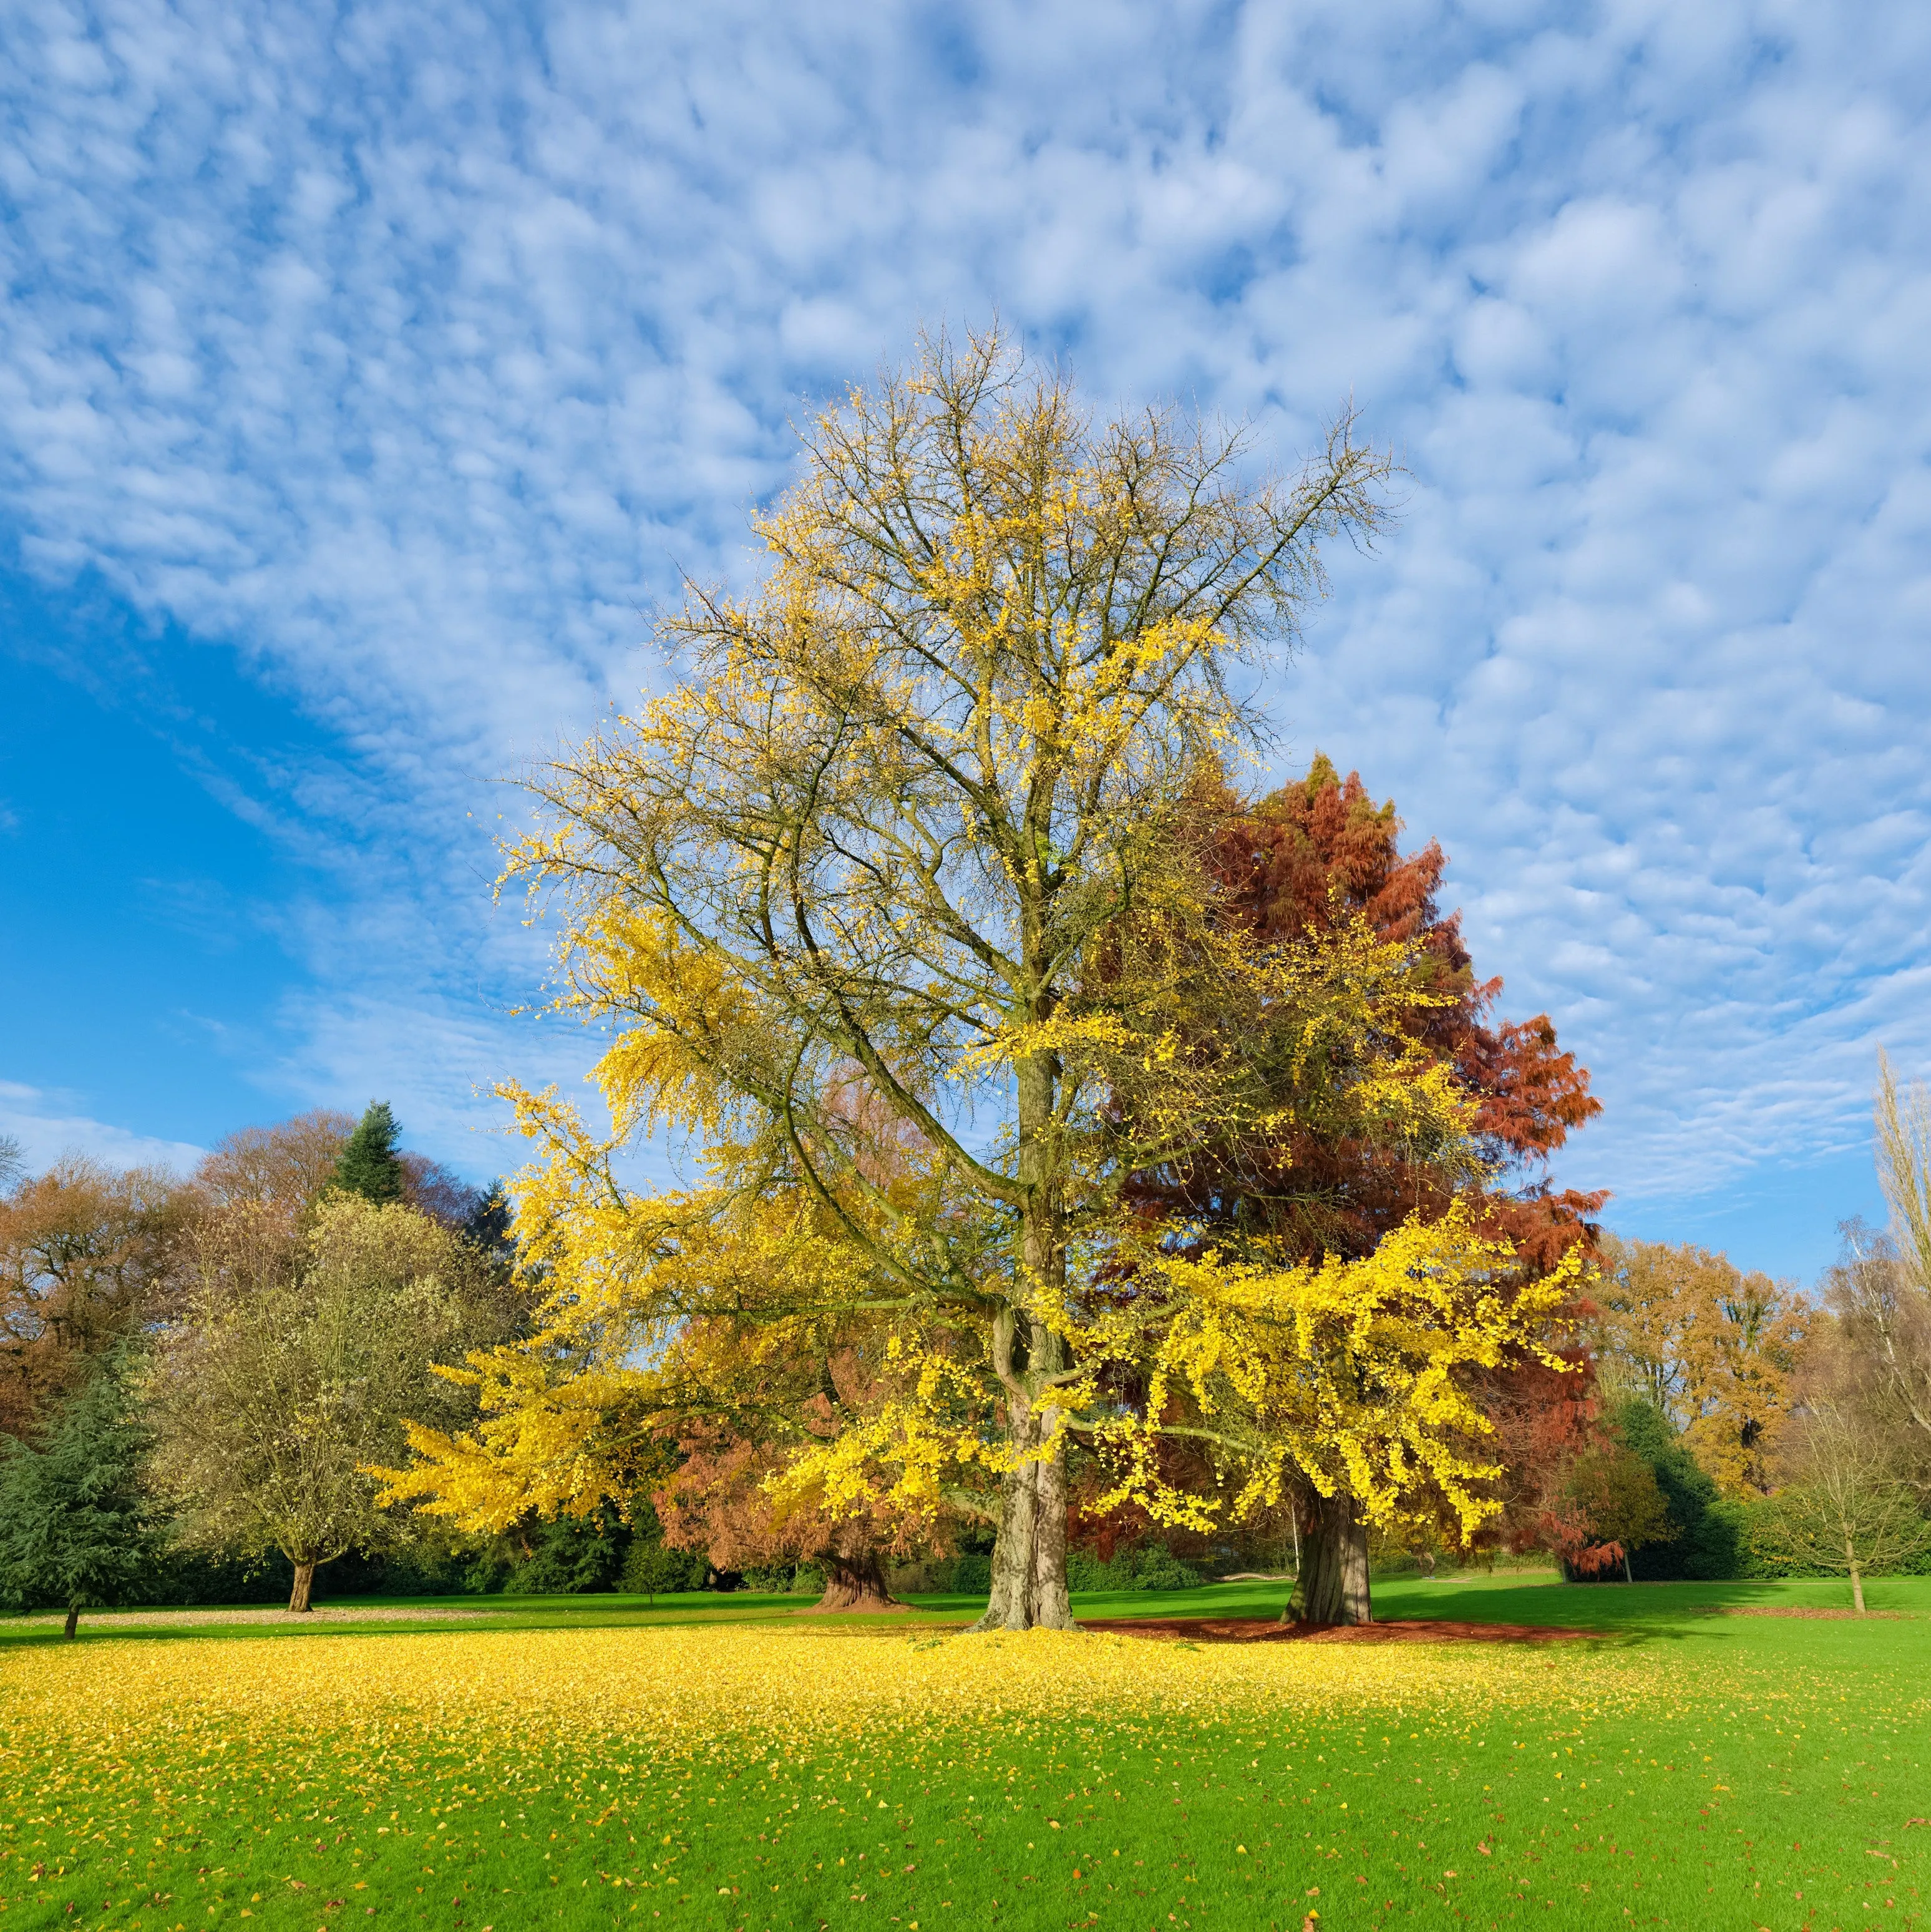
point(76, 1532)
point(369, 1164)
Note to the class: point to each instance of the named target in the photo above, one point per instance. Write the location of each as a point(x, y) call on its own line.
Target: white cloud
point(45, 1128)
point(413, 350)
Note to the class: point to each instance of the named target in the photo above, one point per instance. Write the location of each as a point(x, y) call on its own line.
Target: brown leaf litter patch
point(1266, 1630)
point(1801, 1610)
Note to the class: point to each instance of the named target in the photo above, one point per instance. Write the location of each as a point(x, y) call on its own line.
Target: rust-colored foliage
point(717, 1499)
point(1301, 862)
point(87, 1253)
point(1319, 851)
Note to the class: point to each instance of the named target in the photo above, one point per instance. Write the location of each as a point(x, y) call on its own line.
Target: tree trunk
point(1029, 1558)
point(1857, 1575)
point(856, 1583)
point(1333, 1588)
point(73, 1620)
point(298, 1598)
point(1627, 1577)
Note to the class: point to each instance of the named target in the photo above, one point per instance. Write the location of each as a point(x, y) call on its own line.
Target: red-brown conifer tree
point(1294, 863)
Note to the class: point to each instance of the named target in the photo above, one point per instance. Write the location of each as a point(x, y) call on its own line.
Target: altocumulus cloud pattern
point(410, 351)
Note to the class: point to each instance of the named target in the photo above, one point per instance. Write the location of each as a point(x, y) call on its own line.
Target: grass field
point(727, 1763)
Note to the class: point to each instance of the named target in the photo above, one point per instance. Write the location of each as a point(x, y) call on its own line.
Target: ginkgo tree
point(692, 1346)
point(906, 859)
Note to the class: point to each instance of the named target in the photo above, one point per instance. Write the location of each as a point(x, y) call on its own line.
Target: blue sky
point(368, 373)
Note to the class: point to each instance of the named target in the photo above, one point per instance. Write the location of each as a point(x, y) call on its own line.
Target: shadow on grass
point(465, 1616)
point(1622, 1614)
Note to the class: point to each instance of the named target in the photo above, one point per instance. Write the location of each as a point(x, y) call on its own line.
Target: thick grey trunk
point(1332, 1587)
point(299, 1598)
point(1029, 1559)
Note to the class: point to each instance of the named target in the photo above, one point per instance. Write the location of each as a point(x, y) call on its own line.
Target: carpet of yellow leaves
point(673, 1688)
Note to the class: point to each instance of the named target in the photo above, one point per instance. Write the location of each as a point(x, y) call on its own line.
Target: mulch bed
point(1266, 1630)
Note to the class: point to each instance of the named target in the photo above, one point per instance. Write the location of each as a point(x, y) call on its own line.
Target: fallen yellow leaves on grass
point(804, 1686)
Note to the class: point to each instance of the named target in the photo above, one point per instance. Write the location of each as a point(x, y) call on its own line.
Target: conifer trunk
point(73, 1621)
point(856, 1583)
point(1332, 1587)
point(299, 1598)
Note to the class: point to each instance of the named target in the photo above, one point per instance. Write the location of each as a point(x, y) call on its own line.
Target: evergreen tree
point(488, 1225)
point(369, 1164)
point(574, 1554)
point(1706, 1542)
point(75, 1531)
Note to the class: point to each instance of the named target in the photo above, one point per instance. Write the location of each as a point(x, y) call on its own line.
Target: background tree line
point(1749, 1429)
point(194, 1373)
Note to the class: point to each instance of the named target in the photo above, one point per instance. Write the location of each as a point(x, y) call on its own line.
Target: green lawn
point(724, 1763)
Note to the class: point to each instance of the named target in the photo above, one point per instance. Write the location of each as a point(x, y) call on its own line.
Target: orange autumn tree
point(693, 1366)
point(720, 1497)
point(745, 1408)
point(1714, 1348)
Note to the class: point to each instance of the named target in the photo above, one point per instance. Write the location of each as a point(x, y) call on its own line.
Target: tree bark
point(1029, 1556)
point(73, 1621)
point(298, 1598)
point(1333, 1588)
point(1857, 1575)
point(856, 1583)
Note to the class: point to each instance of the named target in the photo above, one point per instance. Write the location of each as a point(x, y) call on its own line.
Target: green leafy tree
point(76, 1532)
point(369, 1164)
point(292, 1370)
point(1706, 1532)
point(652, 1566)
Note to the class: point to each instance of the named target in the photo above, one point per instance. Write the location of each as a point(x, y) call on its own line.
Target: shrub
point(652, 1569)
point(1151, 1567)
